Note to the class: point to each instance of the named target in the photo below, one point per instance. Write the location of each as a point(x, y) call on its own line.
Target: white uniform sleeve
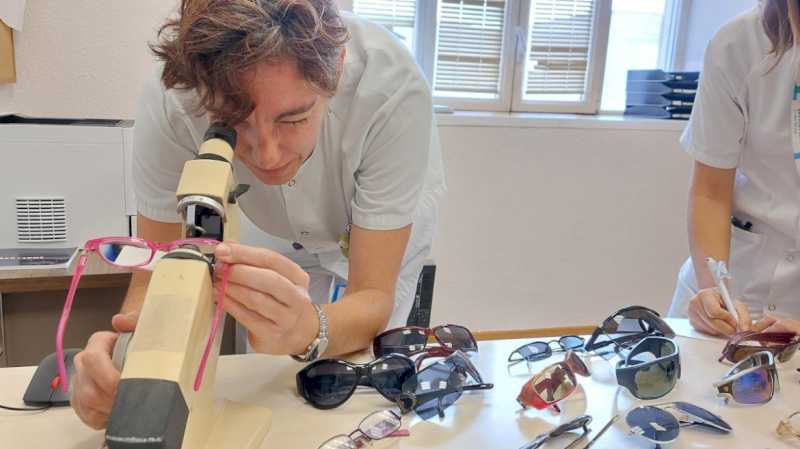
point(158, 157)
point(394, 161)
point(716, 131)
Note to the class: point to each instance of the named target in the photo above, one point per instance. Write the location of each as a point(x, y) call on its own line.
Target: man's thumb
point(125, 322)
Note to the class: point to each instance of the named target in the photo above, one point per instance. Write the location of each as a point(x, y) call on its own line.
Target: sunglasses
point(782, 345)
point(790, 426)
point(329, 383)
point(581, 422)
point(651, 369)
point(412, 340)
point(661, 423)
point(754, 380)
point(376, 426)
point(540, 350)
point(626, 327)
point(553, 384)
point(439, 385)
point(135, 253)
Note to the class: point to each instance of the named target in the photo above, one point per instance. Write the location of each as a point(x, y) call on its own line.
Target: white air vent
point(41, 220)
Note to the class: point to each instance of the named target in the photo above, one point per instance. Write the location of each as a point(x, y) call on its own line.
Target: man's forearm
point(355, 320)
point(134, 298)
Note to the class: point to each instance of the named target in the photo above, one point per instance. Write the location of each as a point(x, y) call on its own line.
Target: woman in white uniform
point(744, 201)
point(337, 139)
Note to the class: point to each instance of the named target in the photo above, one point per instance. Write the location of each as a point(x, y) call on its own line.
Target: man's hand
point(95, 380)
point(268, 294)
point(708, 314)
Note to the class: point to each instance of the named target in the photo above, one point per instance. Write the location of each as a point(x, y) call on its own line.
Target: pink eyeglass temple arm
point(198, 380)
point(62, 323)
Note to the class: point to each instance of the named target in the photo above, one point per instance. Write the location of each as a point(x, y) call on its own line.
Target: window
point(529, 55)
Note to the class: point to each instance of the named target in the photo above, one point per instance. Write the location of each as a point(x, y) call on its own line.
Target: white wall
point(705, 17)
point(550, 226)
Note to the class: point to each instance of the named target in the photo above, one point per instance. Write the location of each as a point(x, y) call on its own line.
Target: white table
point(489, 419)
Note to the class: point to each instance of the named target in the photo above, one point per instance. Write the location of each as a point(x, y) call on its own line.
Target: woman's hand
point(708, 314)
point(771, 323)
point(268, 294)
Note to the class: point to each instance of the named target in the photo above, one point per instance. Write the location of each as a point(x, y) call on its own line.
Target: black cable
point(30, 409)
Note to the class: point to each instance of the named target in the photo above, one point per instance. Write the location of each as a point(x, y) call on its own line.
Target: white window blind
point(396, 15)
point(557, 66)
point(469, 46)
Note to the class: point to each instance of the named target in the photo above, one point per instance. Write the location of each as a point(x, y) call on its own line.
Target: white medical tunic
point(741, 119)
point(377, 165)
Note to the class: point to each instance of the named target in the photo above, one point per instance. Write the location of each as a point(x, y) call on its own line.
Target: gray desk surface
point(490, 419)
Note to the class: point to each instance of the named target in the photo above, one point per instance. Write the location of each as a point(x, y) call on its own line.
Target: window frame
point(512, 61)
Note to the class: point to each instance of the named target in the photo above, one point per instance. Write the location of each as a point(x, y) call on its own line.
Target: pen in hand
point(719, 271)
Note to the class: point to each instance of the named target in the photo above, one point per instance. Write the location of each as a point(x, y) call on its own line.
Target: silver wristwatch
point(318, 346)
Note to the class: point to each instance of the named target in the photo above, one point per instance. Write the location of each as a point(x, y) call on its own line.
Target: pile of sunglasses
point(626, 327)
point(754, 380)
point(439, 385)
point(328, 383)
point(661, 423)
point(782, 345)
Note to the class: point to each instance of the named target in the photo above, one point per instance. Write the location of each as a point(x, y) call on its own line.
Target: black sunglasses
point(540, 350)
point(439, 385)
point(651, 369)
point(412, 340)
point(626, 327)
point(328, 383)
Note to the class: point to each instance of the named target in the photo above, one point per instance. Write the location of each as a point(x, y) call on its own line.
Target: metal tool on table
point(157, 405)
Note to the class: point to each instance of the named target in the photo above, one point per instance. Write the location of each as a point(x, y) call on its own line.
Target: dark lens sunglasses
point(626, 327)
point(581, 422)
point(783, 345)
point(651, 368)
point(328, 383)
point(754, 380)
point(661, 423)
point(540, 350)
point(414, 340)
point(553, 384)
point(439, 385)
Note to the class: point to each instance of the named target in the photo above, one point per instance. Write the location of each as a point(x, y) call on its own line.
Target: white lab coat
point(741, 120)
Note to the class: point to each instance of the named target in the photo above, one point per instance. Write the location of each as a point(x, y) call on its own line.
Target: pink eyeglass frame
point(93, 246)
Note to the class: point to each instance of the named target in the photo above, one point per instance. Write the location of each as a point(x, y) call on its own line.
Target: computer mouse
point(44, 387)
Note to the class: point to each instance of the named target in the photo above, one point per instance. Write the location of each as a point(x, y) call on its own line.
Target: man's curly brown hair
point(212, 43)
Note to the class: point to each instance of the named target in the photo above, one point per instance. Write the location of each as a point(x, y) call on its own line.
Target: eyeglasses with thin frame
point(375, 426)
point(581, 422)
point(136, 253)
point(540, 350)
point(790, 426)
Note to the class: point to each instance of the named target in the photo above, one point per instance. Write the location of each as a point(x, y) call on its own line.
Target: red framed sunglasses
point(782, 345)
point(553, 384)
point(132, 252)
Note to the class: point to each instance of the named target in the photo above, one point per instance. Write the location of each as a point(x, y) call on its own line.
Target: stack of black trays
point(660, 94)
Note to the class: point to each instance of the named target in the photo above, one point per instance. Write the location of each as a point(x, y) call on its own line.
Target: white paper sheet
point(12, 12)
